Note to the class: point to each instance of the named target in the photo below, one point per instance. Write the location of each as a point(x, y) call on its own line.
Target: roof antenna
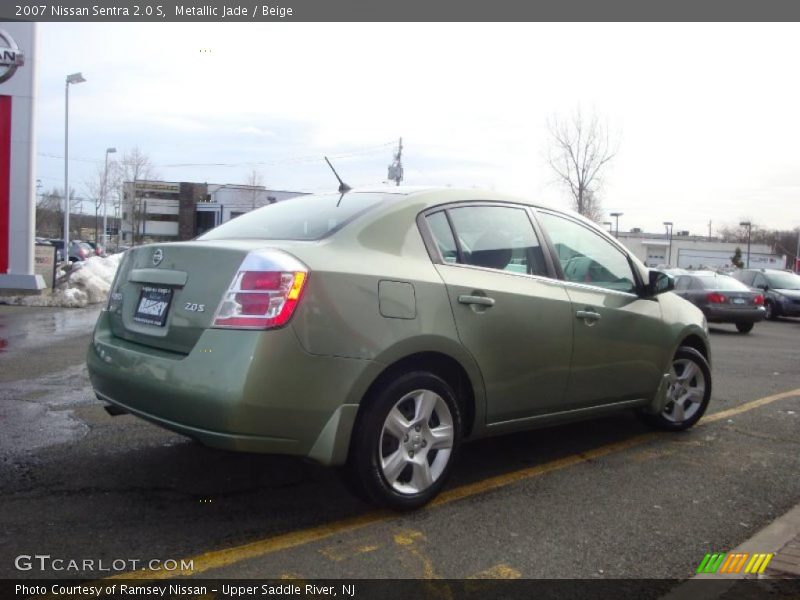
point(343, 187)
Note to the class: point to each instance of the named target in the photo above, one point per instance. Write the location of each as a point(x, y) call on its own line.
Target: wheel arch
point(469, 394)
point(696, 342)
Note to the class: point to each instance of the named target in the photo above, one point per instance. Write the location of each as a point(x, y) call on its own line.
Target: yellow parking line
point(747, 406)
point(228, 556)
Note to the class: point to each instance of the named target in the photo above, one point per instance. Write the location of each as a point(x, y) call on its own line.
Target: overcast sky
point(706, 117)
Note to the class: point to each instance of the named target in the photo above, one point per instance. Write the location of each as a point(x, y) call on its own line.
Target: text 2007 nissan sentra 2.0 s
point(379, 329)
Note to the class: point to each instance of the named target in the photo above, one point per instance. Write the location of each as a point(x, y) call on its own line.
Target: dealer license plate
point(153, 306)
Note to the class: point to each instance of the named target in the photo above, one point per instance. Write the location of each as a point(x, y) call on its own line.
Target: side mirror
point(659, 283)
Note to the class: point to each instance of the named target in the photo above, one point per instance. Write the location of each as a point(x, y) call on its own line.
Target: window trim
point(436, 256)
point(639, 284)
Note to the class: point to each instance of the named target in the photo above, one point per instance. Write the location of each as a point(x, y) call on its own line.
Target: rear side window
point(443, 236)
point(303, 218)
point(496, 237)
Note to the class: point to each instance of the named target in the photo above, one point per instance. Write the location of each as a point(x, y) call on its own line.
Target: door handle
point(480, 300)
point(588, 315)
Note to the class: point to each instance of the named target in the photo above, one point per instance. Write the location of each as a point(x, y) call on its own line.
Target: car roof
point(766, 271)
point(441, 194)
point(424, 197)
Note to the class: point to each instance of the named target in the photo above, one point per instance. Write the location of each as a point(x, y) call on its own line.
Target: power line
point(280, 161)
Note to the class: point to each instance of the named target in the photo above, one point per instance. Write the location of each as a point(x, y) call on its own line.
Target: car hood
point(793, 294)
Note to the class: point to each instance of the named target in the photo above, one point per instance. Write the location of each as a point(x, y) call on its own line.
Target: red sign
point(5, 179)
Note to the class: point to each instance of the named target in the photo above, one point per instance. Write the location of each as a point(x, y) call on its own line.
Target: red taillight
point(255, 280)
point(264, 293)
point(715, 298)
point(758, 300)
point(82, 253)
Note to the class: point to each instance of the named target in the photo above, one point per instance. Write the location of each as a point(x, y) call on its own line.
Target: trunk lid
point(183, 290)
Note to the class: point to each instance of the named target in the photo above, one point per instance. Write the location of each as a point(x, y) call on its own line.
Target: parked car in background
point(96, 248)
point(78, 251)
point(377, 329)
point(781, 290)
point(722, 298)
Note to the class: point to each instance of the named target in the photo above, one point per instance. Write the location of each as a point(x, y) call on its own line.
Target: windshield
point(310, 217)
point(722, 282)
point(784, 281)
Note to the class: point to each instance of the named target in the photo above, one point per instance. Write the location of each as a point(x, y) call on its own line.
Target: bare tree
point(97, 189)
point(580, 150)
point(134, 166)
point(738, 233)
point(50, 212)
point(254, 181)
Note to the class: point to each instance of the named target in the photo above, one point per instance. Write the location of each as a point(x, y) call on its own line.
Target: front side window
point(497, 237)
point(586, 257)
point(784, 281)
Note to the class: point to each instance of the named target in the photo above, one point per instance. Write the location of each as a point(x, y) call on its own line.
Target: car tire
point(745, 327)
point(405, 442)
point(688, 394)
point(771, 313)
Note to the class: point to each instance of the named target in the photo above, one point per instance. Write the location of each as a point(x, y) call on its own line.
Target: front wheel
point(406, 441)
point(744, 327)
point(688, 394)
point(770, 312)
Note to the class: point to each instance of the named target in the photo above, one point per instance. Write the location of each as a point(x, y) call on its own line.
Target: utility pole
point(616, 216)
point(749, 226)
point(668, 225)
point(797, 254)
point(396, 168)
point(709, 230)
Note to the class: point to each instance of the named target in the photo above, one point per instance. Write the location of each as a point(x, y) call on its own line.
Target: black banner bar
point(399, 10)
point(391, 589)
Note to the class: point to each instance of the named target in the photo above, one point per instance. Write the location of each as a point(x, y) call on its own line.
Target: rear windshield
point(302, 218)
point(722, 282)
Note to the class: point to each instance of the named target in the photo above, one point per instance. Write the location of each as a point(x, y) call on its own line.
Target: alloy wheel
point(416, 441)
point(686, 391)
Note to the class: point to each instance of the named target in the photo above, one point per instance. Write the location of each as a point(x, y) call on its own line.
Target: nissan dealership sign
point(17, 151)
point(11, 57)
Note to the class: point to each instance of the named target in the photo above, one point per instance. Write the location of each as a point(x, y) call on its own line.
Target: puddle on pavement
point(31, 330)
point(37, 413)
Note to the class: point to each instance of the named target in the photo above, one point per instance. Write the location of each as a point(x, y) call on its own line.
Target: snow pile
point(88, 282)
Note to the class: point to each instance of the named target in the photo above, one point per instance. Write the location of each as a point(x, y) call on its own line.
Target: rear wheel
point(744, 327)
point(406, 441)
point(688, 394)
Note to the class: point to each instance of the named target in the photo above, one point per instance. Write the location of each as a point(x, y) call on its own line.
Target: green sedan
point(378, 330)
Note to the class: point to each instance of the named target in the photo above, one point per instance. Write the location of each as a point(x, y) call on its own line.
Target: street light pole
point(668, 225)
point(616, 216)
point(71, 79)
point(105, 199)
point(608, 224)
point(749, 226)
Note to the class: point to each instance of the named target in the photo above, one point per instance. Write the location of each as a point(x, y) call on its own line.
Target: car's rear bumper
point(734, 315)
point(253, 391)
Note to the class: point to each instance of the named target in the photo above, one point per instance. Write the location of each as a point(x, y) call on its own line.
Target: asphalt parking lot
point(600, 499)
